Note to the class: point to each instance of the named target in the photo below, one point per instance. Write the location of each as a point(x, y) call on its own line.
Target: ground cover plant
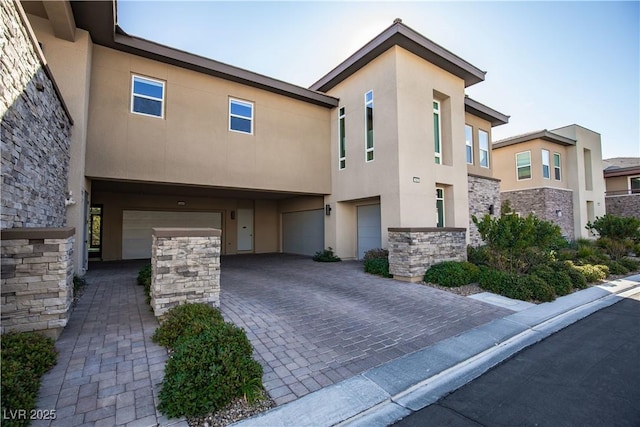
point(210, 366)
point(26, 356)
point(376, 261)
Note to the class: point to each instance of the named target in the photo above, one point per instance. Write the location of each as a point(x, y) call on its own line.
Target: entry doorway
point(95, 231)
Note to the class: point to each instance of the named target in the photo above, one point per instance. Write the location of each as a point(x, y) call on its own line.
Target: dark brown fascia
point(407, 38)
point(545, 135)
point(98, 18)
point(474, 107)
point(631, 170)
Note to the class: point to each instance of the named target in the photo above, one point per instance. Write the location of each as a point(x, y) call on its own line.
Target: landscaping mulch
point(235, 411)
point(464, 291)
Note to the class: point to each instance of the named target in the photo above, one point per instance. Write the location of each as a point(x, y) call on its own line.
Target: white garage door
point(369, 236)
point(137, 225)
point(303, 232)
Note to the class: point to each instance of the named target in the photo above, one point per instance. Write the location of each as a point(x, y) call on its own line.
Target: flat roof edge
point(487, 113)
point(543, 134)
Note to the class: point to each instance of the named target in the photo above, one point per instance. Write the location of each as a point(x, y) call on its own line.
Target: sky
point(548, 64)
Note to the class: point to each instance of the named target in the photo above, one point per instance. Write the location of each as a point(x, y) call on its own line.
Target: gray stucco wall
point(34, 135)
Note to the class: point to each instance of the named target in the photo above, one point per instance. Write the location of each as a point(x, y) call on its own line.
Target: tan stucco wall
point(505, 159)
point(617, 183)
point(404, 87)
point(478, 124)
point(192, 144)
point(70, 63)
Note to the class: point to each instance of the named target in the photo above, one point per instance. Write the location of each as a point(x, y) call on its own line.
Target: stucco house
point(161, 137)
point(555, 175)
point(622, 181)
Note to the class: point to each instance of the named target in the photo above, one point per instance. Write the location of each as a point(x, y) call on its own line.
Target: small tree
point(617, 235)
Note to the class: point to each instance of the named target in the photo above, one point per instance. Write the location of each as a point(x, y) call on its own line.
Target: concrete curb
point(389, 392)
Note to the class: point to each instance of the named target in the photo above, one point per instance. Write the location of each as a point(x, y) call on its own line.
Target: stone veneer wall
point(483, 192)
point(413, 250)
point(35, 131)
point(185, 264)
point(37, 279)
point(544, 202)
point(624, 205)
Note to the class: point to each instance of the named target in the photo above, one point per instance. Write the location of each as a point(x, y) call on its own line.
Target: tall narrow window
point(147, 96)
point(468, 136)
point(556, 166)
point(368, 123)
point(483, 148)
point(440, 206)
point(240, 116)
point(546, 167)
point(342, 152)
point(437, 132)
point(523, 165)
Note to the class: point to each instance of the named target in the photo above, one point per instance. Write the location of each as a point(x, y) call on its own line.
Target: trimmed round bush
point(593, 273)
point(539, 289)
point(558, 280)
point(185, 320)
point(208, 371)
point(616, 267)
point(629, 264)
point(578, 281)
point(378, 266)
point(450, 274)
point(377, 253)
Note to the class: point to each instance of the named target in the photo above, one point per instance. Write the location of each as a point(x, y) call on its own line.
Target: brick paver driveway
point(314, 324)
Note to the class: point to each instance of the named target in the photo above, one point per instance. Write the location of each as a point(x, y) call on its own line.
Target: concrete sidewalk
point(389, 392)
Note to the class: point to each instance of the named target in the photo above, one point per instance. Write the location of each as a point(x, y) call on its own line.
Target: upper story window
point(546, 167)
point(483, 148)
point(437, 132)
point(523, 165)
point(240, 116)
point(468, 136)
point(342, 147)
point(368, 123)
point(634, 184)
point(147, 96)
point(556, 166)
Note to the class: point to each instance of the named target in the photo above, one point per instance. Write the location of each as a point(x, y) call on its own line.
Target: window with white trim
point(634, 184)
point(556, 166)
point(147, 96)
point(483, 148)
point(523, 165)
point(440, 206)
point(342, 147)
point(240, 116)
point(546, 167)
point(468, 136)
point(437, 132)
point(368, 126)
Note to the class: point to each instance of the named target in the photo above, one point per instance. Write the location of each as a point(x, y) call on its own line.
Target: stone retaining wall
point(35, 130)
point(37, 279)
point(624, 205)
point(413, 250)
point(185, 264)
point(483, 193)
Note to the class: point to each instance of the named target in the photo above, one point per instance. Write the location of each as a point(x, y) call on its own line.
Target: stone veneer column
point(483, 193)
point(37, 279)
point(413, 250)
point(185, 264)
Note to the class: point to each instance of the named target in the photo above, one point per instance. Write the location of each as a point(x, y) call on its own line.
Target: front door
point(245, 229)
point(95, 231)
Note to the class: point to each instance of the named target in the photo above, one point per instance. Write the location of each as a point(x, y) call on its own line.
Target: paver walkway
point(314, 324)
point(108, 368)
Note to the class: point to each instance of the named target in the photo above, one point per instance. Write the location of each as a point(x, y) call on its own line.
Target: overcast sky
point(548, 64)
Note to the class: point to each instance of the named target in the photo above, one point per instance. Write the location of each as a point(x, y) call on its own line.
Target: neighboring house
point(622, 180)
point(555, 175)
point(162, 137)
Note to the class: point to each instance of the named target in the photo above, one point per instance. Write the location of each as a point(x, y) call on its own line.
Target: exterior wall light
point(491, 209)
point(559, 213)
point(182, 203)
point(327, 210)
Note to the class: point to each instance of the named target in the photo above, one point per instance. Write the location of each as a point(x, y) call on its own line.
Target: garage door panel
point(369, 229)
point(303, 232)
point(137, 225)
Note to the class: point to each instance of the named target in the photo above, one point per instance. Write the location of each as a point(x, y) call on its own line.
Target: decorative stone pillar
point(185, 265)
point(413, 250)
point(37, 279)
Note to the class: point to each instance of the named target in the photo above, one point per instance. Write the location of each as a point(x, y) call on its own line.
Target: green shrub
point(26, 356)
point(617, 268)
point(616, 227)
point(578, 281)
point(378, 266)
point(629, 264)
point(616, 249)
point(539, 289)
point(144, 279)
point(208, 371)
point(185, 320)
point(478, 255)
point(558, 280)
point(326, 255)
point(593, 272)
point(78, 283)
point(451, 273)
point(376, 254)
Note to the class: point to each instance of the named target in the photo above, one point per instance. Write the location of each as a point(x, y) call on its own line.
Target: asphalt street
point(587, 374)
